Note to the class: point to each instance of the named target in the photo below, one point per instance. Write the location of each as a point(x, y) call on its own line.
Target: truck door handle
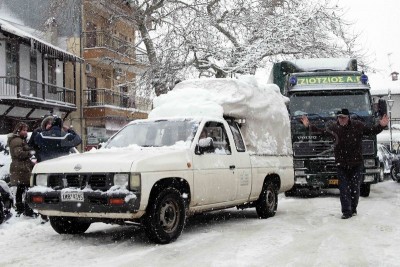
point(231, 167)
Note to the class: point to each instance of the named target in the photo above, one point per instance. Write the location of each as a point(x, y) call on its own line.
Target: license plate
point(72, 196)
point(333, 181)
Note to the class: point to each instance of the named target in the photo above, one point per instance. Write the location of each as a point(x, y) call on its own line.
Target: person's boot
point(44, 219)
point(28, 211)
point(19, 208)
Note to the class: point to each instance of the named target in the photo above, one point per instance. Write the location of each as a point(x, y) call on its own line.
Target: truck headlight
point(41, 179)
point(369, 162)
point(121, 179)
point(134, 181)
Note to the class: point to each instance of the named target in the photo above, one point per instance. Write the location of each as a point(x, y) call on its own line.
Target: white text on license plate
point(72, 196)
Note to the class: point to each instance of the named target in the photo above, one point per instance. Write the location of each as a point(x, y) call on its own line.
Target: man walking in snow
point(348, 135)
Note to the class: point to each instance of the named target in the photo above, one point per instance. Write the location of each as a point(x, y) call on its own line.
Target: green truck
point(319, 88)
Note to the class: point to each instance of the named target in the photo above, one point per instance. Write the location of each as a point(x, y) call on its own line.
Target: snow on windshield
point(261, 105)
point(157, 133)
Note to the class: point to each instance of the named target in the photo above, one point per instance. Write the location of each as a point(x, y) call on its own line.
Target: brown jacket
point(348, 141)
point(21, 165)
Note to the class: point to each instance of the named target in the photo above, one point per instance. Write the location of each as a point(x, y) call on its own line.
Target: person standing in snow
point(44, 126)
point(56, 141)
point(21, 166)
point(348, 135)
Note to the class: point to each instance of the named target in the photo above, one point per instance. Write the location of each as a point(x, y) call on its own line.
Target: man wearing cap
point(348, 136)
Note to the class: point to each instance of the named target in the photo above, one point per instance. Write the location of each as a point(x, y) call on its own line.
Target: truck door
point(214, 179)
point(242, 163)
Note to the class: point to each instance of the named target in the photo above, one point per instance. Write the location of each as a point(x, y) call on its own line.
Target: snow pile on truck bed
point(267, 127)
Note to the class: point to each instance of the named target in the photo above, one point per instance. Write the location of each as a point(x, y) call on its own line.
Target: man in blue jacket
point(56, 141)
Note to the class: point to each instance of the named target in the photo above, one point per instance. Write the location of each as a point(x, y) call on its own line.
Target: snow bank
point(267, 127)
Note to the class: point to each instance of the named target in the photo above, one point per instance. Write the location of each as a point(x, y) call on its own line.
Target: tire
point(291, 193)
point(381, 172)
point(268, 201)
point(365, 190)
point(69, 225)
point(394, 172)
point(2, 214)
point(166, 216)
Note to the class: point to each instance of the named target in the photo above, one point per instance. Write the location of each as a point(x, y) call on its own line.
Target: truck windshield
point(327, 103)
point(155, 134)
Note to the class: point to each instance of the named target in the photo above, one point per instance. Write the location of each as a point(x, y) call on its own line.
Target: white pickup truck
point(158, 171)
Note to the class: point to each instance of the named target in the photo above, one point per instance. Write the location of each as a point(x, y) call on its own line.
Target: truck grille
point(101, 182)
point(306, 149)
point(325, 148)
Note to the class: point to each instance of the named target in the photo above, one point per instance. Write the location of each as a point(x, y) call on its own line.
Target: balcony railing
point(102, 39)
point(103, 96)
point(18, 87)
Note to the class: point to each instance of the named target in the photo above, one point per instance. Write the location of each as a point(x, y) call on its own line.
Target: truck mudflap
point(94, 204)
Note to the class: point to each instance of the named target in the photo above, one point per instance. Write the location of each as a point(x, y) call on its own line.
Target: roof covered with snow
point(22, 31)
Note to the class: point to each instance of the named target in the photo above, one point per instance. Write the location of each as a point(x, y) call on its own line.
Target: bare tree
point(221, 38)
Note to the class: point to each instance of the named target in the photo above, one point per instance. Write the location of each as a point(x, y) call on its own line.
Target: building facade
point(102, 34)
point(33, 78)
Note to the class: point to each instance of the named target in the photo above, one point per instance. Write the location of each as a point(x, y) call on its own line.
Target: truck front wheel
point(166, 216)
point(365, 189)
point(68, 225)
point(268, 202)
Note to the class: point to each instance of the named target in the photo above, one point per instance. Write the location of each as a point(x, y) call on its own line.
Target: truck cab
point(318, 88)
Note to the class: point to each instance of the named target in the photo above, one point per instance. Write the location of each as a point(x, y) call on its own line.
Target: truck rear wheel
point(166, 216)
point(268, 202)
point(68, 225)
point(365, 190)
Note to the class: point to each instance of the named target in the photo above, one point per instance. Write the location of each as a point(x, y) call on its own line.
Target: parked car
point(390, 162)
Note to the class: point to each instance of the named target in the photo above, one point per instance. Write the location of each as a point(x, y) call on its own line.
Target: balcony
point(107, 97)
point(17, 88)
point(99, 39)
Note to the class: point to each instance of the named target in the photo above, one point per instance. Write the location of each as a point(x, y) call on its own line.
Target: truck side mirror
point(204, 145)
point(198, 150)
point(382, 107)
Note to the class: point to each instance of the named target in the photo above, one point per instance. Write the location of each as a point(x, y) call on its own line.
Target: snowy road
point(304, 232)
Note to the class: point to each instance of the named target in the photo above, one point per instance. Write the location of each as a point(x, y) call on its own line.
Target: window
point(217, 132)
point(91, 83)
point(124, 96)
point(91, 34)
point(51, 75)
point(33, 73)
point(11, 63)
point(237, 137)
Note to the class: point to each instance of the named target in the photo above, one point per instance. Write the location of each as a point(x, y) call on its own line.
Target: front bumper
point(95, 204)
point(330, 180)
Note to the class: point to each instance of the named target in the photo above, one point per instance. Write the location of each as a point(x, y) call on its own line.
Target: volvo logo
point(77, 167)
point(307, 137)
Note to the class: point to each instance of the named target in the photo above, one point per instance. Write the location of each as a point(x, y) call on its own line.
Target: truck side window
point(217, 132)
point(237, 137)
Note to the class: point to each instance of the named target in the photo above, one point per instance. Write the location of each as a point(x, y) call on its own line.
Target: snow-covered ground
point(304, 232)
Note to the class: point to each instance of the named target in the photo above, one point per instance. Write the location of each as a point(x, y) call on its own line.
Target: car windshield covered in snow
point(155, 133)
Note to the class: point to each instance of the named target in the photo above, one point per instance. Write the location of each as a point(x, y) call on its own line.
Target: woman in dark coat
point(21, 165)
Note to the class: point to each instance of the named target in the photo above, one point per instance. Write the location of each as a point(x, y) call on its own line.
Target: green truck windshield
point(327, 103)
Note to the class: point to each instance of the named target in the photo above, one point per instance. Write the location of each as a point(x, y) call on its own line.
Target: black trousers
point(21, 189)
point(349, 186)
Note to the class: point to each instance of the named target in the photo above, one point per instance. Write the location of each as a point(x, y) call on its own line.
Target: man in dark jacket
point(44, 126)
point(348, 136)
point(57, 141)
